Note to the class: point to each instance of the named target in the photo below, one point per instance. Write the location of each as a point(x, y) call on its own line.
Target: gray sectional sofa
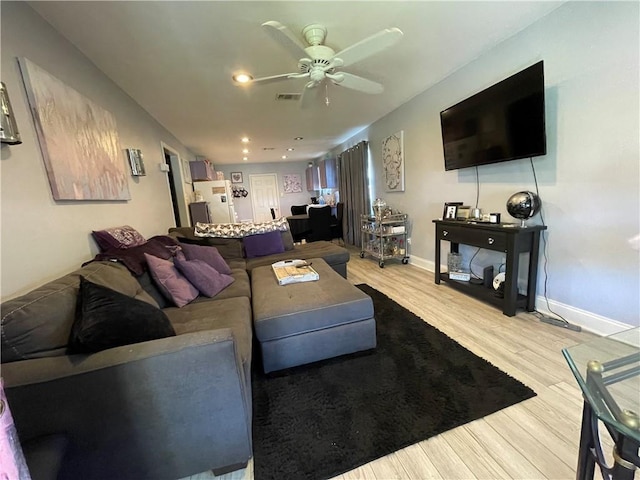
point(160, 409)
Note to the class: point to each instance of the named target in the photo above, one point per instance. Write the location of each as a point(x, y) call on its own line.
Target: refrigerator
point(219, 197)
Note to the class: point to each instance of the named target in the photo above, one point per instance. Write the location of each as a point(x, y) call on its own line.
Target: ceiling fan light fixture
point(242, 78)
point(298, 138)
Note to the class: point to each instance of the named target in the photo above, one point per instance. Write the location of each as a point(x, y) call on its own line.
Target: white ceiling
point(176, 58)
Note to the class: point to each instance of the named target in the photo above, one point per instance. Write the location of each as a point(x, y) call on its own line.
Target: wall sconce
point(8, 129)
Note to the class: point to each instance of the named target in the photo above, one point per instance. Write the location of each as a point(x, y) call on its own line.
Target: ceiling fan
point(321, 64)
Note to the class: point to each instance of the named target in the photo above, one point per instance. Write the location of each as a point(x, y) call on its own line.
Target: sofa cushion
point(233, 313)
point(38, 323)
point(203, 276)
point(118, 237)
point(331, 253)
point(209, 255)
point(171, 282)
point(263, 244)
point(105, 319)
point(241, 287)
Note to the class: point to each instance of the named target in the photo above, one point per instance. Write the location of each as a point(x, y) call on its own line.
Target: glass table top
point(608, 372)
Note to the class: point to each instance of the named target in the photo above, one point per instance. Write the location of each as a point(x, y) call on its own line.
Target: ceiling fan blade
point(281, 34)
point(356, 83)
point(283, 76)
point(310, 94)
point(369, 46)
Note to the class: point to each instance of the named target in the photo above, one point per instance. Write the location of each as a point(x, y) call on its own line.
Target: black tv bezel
point(487, 92)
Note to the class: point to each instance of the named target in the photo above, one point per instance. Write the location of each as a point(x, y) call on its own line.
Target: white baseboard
point(588, 321)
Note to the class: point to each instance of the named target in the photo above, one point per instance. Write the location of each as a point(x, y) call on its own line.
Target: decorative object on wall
point(135, 162)
point(78, 139)
point(186, 171)
point(236, 177)
point(292, 183)
point(239, 191)
point(393, 162)
point(8, 127)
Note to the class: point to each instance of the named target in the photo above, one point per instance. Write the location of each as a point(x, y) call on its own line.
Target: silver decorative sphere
point(523, 205)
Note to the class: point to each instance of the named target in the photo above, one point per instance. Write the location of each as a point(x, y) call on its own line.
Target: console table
point(505, 237)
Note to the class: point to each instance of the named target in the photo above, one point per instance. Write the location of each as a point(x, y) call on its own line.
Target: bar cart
point(385, 237)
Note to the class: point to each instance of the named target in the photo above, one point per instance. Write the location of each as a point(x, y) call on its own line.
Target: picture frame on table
point(463, 213)
point(236, 177)
point(450, 210)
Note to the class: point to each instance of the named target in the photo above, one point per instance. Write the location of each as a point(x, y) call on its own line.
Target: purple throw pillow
point(203, 276)
point(263, 244)
point(118, 237)
point(170, 282)
point(208, 255)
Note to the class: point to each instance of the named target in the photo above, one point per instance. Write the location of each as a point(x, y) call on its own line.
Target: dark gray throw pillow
point(105, 319)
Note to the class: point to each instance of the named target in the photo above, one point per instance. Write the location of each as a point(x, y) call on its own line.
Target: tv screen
point(503, 122)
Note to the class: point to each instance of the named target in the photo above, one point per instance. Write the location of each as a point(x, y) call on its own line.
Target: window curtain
point(354, 181)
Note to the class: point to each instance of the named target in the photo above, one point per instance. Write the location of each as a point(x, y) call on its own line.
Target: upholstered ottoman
point(306, 322)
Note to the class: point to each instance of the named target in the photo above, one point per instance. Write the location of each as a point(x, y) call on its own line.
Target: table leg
point(586, 460)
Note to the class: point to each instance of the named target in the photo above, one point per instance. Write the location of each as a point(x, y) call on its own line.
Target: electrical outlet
point(409, 241)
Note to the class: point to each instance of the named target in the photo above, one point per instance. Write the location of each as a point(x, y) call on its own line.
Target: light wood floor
point(535, 439)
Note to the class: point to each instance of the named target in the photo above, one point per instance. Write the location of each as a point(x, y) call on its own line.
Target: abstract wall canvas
point(78, 139)
point(393, 162)
point(292, 183)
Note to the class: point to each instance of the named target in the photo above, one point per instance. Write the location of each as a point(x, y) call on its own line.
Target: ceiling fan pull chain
point(326, 95)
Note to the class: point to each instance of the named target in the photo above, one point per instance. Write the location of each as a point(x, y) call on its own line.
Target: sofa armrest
point(167, 408)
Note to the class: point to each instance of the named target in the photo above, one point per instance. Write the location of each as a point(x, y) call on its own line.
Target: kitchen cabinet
point(313, 178)
point(328, 173)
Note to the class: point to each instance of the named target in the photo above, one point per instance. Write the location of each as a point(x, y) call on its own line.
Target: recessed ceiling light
point(298, 138)
point(290, 149)
point(245, 150)
point(245, 158)
point(284, 156)
point(242, 78)
point(245, 140)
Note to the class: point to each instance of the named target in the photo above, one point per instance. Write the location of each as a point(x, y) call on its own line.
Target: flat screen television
point(503, 122)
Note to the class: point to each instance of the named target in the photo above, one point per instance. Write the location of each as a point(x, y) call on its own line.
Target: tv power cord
point(557, 322)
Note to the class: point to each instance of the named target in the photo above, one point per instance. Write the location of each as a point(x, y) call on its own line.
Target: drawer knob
point(491, 240)
point(445, 233)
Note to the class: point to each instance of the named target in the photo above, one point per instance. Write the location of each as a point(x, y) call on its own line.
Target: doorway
point(264, 196)
point(177, 186)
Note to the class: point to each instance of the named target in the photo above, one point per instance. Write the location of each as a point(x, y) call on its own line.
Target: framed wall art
point(78, 139)
point(393, 162)
point(135, 162)
point(236, 177)
point(292, 183)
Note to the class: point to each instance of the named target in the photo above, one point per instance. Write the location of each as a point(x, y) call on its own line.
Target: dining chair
point(298, 209)
point(320, 223)
point(336, 224)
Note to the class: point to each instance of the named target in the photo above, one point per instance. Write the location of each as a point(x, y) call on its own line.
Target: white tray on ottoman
point(306, 322)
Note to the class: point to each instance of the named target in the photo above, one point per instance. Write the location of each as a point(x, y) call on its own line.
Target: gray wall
point(589, 179)
point(43, 239)
point(243, 204)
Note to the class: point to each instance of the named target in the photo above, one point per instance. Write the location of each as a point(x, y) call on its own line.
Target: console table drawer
point(475, 237)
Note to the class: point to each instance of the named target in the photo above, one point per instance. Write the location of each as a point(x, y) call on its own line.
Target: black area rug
point(320, 420)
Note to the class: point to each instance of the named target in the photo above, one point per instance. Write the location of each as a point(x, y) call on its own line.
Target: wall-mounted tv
point(503, 122)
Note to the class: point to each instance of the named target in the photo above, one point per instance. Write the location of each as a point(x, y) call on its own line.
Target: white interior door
point(264, 196)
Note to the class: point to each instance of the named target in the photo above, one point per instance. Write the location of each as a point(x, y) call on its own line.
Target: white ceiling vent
point(288, 96)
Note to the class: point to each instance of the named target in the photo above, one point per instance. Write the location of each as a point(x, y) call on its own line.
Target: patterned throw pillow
point(240, 230)
point(118, 237)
